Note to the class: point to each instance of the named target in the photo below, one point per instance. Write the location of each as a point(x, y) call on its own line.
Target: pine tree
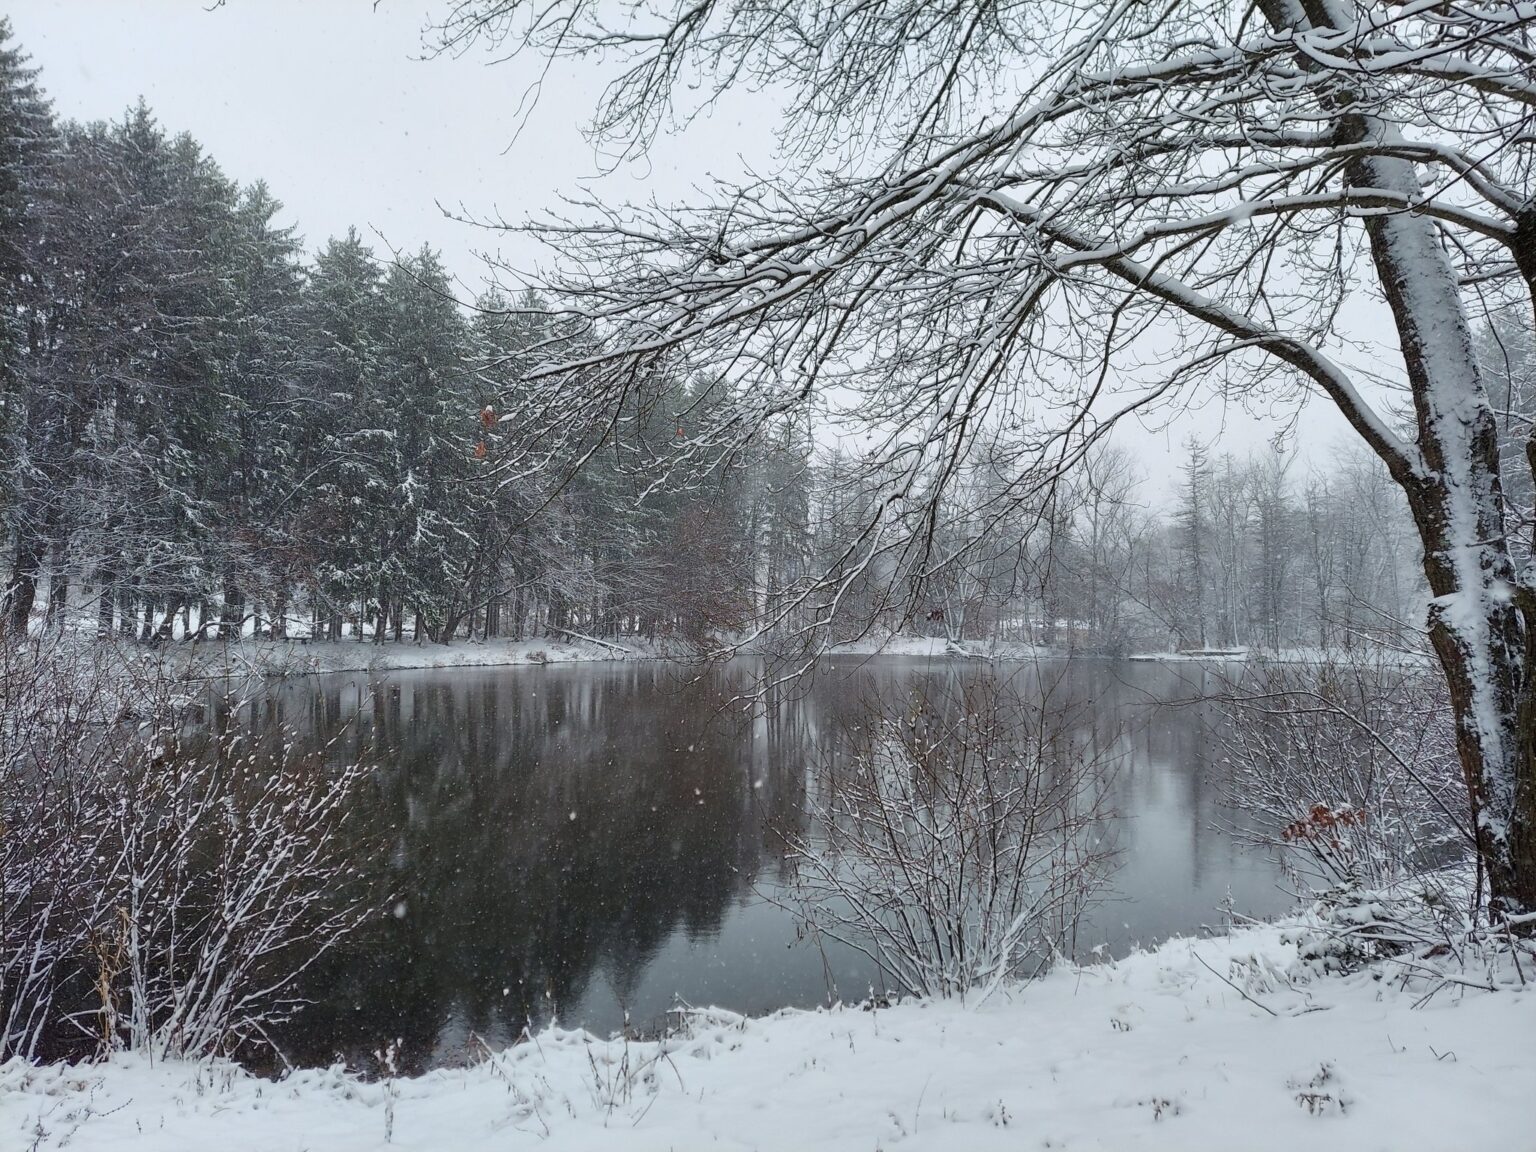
point(259, 490)
point(429, 538)
point(348, 450)
point(28, 143)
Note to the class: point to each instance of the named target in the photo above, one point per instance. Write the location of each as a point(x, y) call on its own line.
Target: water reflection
point(593, 841)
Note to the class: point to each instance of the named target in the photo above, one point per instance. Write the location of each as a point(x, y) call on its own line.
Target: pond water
point(596, 843)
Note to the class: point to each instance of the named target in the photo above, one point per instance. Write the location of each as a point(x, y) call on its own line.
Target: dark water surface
point(595, 841)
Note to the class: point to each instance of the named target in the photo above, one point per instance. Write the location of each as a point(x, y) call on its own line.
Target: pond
point(596, 843)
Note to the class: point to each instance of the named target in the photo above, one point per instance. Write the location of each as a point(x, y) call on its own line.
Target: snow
point(1209, 1044)
point(1363, 655)
point(935, 646)
point(297, 657)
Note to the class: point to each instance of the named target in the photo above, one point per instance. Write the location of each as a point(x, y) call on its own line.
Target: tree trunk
point(167, 626)
point(58, 590)
point(125, 613)
point(21, 593)
point(1481, 618)
point(1483, 637)
point(104, 606)
point(380, 625)
point(232, 612)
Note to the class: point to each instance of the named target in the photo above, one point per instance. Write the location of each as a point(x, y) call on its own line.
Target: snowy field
point(1217, 1044)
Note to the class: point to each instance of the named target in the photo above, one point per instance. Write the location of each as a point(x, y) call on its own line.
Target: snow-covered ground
point(906, 645)
point(1386, 657)
point(297, 657)
point(1216, 1044)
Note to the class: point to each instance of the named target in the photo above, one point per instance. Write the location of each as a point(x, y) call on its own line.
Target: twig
point(1233, 986)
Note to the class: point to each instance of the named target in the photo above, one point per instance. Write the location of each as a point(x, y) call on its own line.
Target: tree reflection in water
point(591, 842)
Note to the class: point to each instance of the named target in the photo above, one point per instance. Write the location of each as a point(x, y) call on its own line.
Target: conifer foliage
point(207, 433)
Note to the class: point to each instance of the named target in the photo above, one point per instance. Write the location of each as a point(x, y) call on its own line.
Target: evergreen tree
point(27, 147)
point(428, 541)
point(260, 491)
point(348, 452)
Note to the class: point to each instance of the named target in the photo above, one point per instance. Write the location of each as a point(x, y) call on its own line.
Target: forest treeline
point(209, 431)
point(206, 430)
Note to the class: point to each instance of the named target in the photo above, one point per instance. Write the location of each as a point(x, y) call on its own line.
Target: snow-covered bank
point(1380, 657)
point(936, 646)
point(1216, 1044)
point(301, 657)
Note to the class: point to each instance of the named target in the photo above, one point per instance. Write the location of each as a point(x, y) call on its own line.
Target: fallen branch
point(594, 640)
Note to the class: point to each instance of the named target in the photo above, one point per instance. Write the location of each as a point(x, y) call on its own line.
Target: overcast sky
point(331, 102)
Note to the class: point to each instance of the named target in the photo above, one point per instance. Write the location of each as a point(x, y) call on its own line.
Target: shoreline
point(260, 656)
point(1170, 1049)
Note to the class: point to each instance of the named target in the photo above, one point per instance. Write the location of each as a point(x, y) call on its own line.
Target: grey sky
point(330, 102)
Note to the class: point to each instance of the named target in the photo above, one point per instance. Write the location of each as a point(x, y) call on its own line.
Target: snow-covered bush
point(1347, 769)
point(160, 888)
point(955, 839)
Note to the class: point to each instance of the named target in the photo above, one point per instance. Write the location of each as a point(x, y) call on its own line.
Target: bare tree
point(1095, 205)
point(1344, 771)
point(1275, 542)
point(1194, 533)
point(1111, 529)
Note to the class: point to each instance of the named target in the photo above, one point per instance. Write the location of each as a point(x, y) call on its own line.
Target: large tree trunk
point(167, 628)
point(1480, 619)
point(58, 589)
point(104, 606)
point(21, 590)
point(20, 597)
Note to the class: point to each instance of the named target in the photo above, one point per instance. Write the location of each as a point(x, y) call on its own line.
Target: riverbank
point(254, 655)
point(1361, 655)
point(1212, 1044)
point(306, 657)
point(940, 646)
point(261, 656)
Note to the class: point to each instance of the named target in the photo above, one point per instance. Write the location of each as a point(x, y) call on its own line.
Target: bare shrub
point(956, 839)
point(159, 889)
point(1347, 769)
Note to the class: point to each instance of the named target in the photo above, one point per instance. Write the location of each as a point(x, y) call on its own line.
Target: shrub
point(956, 840)
point(1347, 770)
point(160, 888)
